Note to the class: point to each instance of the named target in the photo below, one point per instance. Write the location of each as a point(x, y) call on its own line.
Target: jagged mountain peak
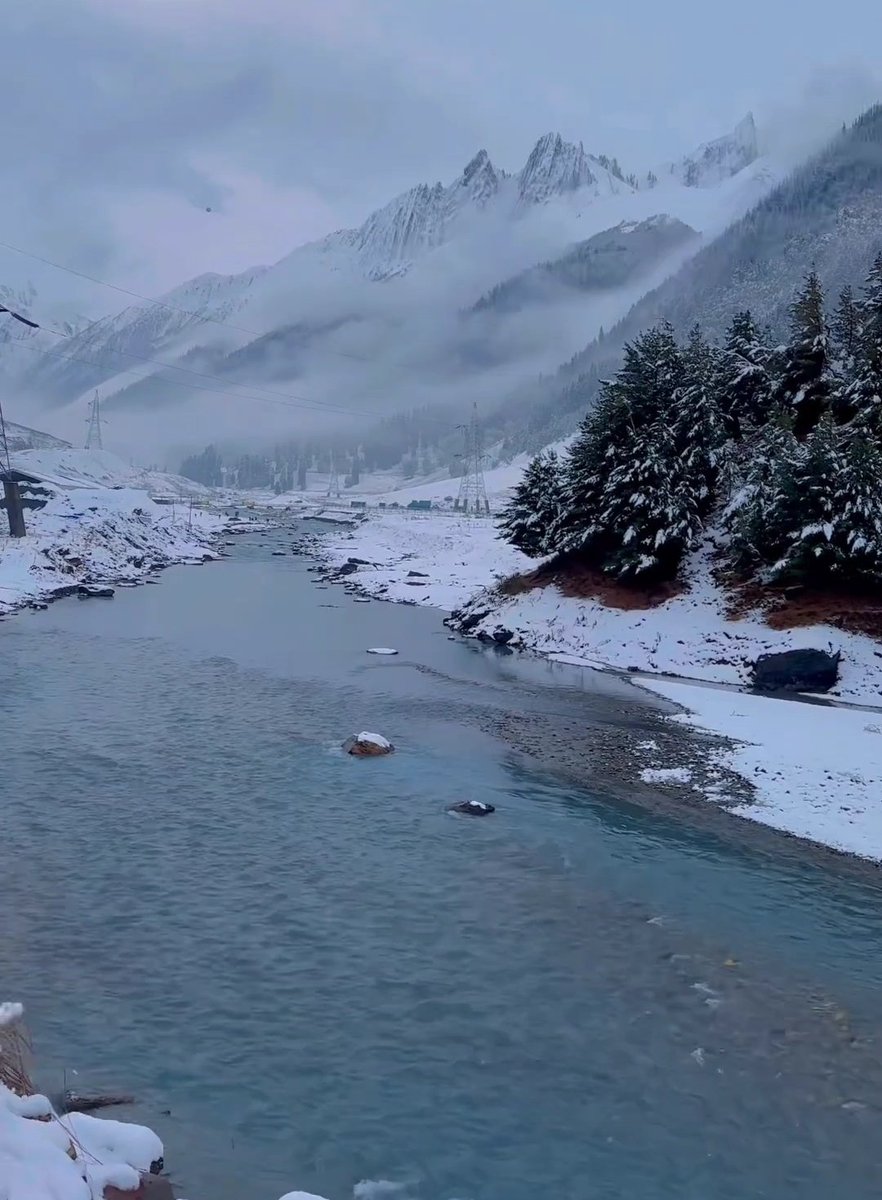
point(554, 167)
point(715, 161)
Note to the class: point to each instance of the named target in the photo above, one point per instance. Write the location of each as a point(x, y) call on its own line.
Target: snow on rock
point(375, 739)
point(300, 1196)
point(368, 745)
point(94, 535)
point(817, 770)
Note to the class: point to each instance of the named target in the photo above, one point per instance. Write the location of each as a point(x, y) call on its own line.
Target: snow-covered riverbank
point(816, 771)
point(98, 536)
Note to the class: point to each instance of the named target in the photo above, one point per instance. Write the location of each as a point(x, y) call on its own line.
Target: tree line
point(778, 446)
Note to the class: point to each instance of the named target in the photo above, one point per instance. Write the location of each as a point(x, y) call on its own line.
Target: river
point(311, 975)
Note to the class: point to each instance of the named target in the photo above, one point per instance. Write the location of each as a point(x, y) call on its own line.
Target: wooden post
point(14, 509)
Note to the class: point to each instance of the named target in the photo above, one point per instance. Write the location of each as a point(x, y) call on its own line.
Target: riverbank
point(826, 794)
point(93, 538)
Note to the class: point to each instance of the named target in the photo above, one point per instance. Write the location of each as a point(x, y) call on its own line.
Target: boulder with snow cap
point(368, 745)
point(472, 808)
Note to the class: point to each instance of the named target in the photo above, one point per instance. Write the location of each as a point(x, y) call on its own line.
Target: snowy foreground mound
point(44, 1156)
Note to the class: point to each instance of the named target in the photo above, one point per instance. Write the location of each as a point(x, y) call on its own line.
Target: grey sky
point(126, 119)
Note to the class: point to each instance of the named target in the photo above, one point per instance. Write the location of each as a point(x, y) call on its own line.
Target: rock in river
point(368, 745)
point(796, 671)
point(472, 808)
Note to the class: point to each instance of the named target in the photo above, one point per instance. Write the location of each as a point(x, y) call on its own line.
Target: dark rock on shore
point(92, 592)
point(796, 671)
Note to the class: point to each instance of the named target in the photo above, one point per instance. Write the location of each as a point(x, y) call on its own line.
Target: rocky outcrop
point(796, 671)
point(472, 808)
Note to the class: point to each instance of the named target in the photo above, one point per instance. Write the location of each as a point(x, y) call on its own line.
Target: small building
point(420, 505)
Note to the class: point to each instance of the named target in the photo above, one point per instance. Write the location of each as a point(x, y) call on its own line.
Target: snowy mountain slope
point(605, 261)
point(827, 214)
point(99, 468)
point(369, 318)
point(20, 437)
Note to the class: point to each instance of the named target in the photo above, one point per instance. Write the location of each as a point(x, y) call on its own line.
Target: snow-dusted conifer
point(600, 457)
point(603, 431)
point(832, 493)
point(699, 434)
point(862, 399)
point(743, 383)
point(755, 517)
point(534, 507)
point(805, 384)
point(649, 515)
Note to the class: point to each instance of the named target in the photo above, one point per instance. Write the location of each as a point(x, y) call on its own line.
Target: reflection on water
point(326, 978)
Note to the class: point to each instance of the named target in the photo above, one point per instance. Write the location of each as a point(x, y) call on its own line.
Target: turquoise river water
point(312, 976)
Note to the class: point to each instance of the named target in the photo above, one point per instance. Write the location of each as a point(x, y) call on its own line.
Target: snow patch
point(817, 770)
point(666, 775)
point(374, 739)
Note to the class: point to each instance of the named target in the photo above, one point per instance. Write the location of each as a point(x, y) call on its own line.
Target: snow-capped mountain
point(718, 160)
point(371, 318)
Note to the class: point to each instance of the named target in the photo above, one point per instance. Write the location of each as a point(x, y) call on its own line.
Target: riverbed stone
point(368, 745)
point(472, 808)
point(796, 671)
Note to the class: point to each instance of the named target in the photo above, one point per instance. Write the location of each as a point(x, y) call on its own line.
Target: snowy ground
point(96, 528)
point(100, 468)
point(439, 559)
point(97, 536)
point(817, 770)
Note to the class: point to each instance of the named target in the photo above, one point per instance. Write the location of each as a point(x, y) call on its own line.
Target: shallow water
point(328, 979)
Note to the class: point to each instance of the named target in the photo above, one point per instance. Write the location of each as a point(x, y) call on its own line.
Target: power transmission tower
point(472, 490)
point(93, 437)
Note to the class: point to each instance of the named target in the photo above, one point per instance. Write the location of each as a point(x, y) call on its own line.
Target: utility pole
point(11, 490)
point(93, 437)
point(472, 489)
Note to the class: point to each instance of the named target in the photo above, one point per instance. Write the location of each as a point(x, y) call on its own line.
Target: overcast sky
point(126, 119)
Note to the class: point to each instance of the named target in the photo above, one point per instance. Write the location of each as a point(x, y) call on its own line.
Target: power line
point(186, 312)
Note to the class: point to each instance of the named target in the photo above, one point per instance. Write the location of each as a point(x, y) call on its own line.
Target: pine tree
point(805, 384)
point(531, 513)
point(756, 523)
point(834, 500)
point(697, 426)
point(743, 382)
point(603, 433)
point(862, 399)
point(648, 512)
point(638, 395)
